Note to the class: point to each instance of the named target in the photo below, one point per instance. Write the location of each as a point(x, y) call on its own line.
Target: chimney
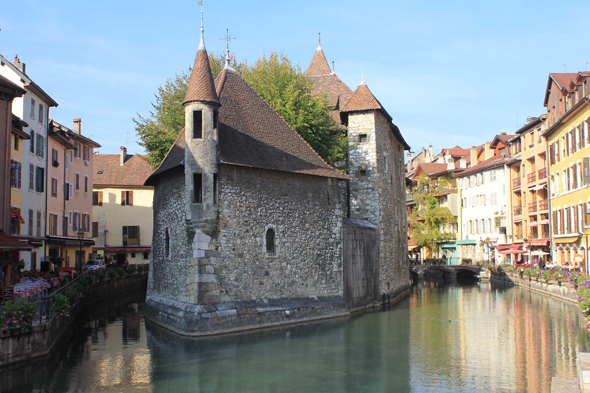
point(473, 155)
point(463, 163)
point(431, 151)
point(123, 155)
point(530, 119)
point(19, 65)
point(489, 153)
point(78, 126)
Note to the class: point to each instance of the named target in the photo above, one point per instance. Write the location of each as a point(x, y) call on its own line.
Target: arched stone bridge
point(447, 270)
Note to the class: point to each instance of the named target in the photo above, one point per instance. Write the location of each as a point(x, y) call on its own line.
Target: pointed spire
point(227, 39)
point(362, 77)
point(319, 65)
point(362, 100)
point(201, 86)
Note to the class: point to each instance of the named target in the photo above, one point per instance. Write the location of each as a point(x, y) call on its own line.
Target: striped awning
point(566, 240)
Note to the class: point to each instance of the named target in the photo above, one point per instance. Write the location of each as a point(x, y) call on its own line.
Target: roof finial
point(333, 67)
point(227, 39)
point(319, 40)
point(202, 43)
point(362, 77)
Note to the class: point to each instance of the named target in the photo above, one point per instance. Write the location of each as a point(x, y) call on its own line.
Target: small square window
point(363, 172)
point(363, 138)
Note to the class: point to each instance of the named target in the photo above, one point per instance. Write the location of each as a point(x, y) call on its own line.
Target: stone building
point(376, 191)
point(248, 220)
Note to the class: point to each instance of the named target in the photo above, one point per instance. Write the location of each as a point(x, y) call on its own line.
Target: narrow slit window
point(197, 188)
point(197, 124)
point(215, 119)
point(167, 243)
point(215, 188)
point(270, 241)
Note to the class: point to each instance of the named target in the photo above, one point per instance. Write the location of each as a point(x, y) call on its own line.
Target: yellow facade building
point(122, 213)
point(568, 139)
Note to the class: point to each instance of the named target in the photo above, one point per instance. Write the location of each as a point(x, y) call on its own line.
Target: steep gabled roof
point(201, 86)
point(561, 80)
point(430, 168)
point(503, 138)
point(335, 90)
point(29, 83)
point(109, 172)
point(252, 134)
point(363, 100)
point(319, 64)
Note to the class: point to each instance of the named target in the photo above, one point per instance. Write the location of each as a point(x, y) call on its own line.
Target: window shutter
point(123, 198)
point(100, 198)
point(19, 174)
point(554, 223)
point(12, 173)
point(586, 170)
point(130, 201)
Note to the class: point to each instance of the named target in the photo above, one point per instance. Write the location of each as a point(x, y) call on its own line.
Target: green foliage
point(429, 218)
point(17, 315)
point(490, 267)
point(60, 306)
point(510, 269)
point(500, 269)
point(466, 261)
point(72, 294)
point(131, 270)
point(479, 264)
point(546, 275)
point(283, 85)
point(120, 272)
point(112, 274)
point(86, 280)
point(140, 268)
point(528, 272)
point(101, 275)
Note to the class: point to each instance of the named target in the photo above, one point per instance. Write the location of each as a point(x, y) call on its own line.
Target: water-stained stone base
point(200, 320)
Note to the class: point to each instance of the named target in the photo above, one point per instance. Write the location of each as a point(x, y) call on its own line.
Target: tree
point(281, 84)
point(429, 218)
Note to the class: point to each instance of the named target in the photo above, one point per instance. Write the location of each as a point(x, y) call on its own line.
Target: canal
point(442, 338)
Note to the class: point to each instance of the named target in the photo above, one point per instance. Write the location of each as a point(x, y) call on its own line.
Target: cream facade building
point(122, 214)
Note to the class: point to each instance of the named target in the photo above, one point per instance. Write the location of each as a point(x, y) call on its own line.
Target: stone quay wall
point(564, 290)
point(41, 340)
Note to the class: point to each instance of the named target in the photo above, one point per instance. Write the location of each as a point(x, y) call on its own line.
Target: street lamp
point(125, 237)
point(525, 240)
point(80, 257)
point(488, 244)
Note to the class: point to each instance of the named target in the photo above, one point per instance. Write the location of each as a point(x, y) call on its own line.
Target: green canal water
point(442, 338)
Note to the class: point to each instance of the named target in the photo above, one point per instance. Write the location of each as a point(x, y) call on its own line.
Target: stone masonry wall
point(170, 276)
point(304, 211)
point(394, 274)
point(363, 157)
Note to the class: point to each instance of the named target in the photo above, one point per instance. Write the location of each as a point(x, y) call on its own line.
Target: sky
point(449, 73)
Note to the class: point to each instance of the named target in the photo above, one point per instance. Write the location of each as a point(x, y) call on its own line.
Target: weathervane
point(227, 39)
point(319, 39)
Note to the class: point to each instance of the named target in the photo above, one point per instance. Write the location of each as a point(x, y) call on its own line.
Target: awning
point(539, 242)
point(14, 213)
point(128, 249)
point(544, 222)
point(539, 253)
point(68, 241)
point(410, 248)
point(8, 243)
point(511, 249)
point(532, 224)
point(565, 240)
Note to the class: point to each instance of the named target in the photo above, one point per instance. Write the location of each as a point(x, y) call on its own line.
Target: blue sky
point(448, 73)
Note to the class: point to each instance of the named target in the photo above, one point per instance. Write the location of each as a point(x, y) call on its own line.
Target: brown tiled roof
point(319, 64)
point(109, 172)
point(431, 168)
point(252, 134)
point(362, 100)
point(200, 86)
point(490, 163)
point(563, 79)
point(335, 90)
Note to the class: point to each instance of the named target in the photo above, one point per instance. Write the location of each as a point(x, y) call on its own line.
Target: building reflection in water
point(486, 336)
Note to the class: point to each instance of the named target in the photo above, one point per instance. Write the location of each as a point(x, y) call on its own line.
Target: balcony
point(517, 210)
point(532, 207)
point(531, 177)
point(542, 173)
point(543, 205)
point(516, 183)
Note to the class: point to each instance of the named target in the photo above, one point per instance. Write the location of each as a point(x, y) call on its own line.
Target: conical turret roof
point(319, 64)
point(201, 86)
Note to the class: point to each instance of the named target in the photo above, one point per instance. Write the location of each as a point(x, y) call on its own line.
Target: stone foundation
point(202, 320)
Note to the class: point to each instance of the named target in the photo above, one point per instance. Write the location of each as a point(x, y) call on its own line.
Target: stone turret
point(201, 106)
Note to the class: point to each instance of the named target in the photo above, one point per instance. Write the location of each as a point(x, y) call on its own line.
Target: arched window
point(167, 244)
point(270, 241)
